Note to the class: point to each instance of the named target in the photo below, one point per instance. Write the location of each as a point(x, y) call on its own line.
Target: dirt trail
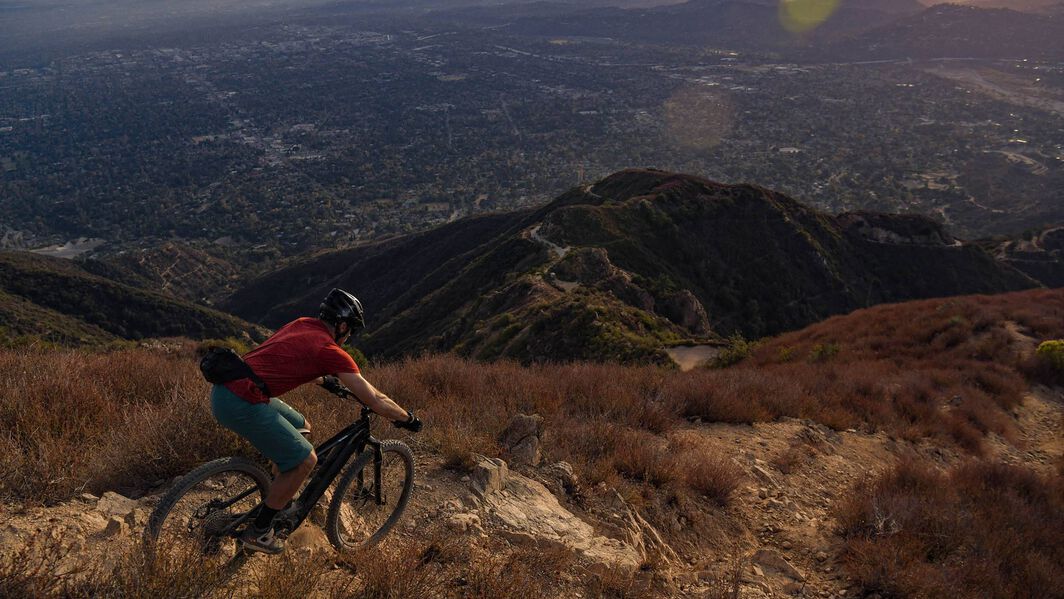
point(797, 470)
point(1040, 422)
point(689, 357)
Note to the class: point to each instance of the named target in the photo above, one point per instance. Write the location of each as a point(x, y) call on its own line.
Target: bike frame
point(333, 455)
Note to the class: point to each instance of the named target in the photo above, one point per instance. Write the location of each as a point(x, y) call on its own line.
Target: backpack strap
point(261, 384)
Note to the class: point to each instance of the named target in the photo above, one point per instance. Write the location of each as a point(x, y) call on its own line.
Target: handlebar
point(334, 386)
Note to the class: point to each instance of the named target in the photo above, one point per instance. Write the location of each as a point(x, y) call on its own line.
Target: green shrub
point(823, 351)
point(738, 349)
point(356, 355)
point(786, 353)
point(1051, 354)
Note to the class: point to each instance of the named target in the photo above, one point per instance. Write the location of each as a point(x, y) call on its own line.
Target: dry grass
point(938, 369)
point(441, 568)
point(45, 567)
point(945, 369)
point(980, 530)
point(72, 421)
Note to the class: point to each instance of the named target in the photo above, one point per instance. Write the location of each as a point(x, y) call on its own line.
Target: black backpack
point(222, 365)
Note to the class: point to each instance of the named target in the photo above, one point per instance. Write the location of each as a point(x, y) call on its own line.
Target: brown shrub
point(74, 421)
point(980, 530)
point(642, 456)
point(394, 572)
point(702, 471)
point(796, 455)
point(147, 574)
point(712, 477)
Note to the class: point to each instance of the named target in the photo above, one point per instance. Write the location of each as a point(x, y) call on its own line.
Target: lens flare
point(698, 117)
point(801, 16)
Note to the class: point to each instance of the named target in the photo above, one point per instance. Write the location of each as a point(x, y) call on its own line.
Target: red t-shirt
point(298, 353)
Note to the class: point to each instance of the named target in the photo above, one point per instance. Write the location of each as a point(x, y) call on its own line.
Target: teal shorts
point(270, 427)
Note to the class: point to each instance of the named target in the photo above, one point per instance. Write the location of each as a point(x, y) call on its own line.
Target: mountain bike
point(207, 509)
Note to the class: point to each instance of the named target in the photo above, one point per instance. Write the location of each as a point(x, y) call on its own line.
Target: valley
point(302, 136)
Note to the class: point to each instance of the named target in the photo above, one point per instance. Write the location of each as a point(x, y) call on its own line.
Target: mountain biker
point(303, 351)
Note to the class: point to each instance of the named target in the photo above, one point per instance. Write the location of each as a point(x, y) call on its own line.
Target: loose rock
point(774, 562)
point(467, 522)
point(113, 504)
point(488, 476)
point(521, 439)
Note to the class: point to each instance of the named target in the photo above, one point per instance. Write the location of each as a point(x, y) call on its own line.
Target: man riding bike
point(303, 351)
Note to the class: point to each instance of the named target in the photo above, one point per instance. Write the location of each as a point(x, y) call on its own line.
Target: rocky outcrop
point(898, 229)
point(591, 266)
point(684, 309)
point(560, 478)
point(526, 512)
point(1052, 240)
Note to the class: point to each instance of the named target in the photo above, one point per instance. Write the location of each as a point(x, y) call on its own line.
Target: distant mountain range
point(60, 301)
point(866, 29)
point(622, 268)
point(745, 25)
point(953, 31)
point(1032, 6)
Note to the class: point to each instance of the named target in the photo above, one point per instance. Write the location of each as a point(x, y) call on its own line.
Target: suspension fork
point(378, 459)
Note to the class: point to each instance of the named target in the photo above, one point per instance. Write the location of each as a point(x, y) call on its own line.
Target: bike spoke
point(360, 515)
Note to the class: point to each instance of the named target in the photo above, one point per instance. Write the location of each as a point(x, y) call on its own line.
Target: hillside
point(181, 270)
point(621, 269)
point(844, 460)
point(59, 301)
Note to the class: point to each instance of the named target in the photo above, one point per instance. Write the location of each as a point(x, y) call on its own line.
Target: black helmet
point(340, 306)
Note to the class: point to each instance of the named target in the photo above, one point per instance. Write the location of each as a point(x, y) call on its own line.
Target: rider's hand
point(413, 423)
point(332, 385)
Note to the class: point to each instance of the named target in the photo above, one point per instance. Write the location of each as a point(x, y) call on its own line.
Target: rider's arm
point(372, 398)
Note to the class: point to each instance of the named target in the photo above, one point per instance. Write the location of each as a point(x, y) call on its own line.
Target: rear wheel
point(190, 520)
point(355, 518)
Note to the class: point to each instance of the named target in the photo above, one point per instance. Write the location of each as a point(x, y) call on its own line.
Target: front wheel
point(355, 517)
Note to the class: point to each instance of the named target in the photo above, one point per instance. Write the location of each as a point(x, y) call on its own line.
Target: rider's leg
point(286, 484)
point(306, 427)
point(271, 428)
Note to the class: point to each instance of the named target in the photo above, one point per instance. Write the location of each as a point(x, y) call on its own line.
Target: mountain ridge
point(626, 267)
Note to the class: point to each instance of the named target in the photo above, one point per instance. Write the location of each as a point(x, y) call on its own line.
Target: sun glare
point(801, 16)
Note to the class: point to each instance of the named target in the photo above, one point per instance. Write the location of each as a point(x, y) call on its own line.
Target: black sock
point(265, 517)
